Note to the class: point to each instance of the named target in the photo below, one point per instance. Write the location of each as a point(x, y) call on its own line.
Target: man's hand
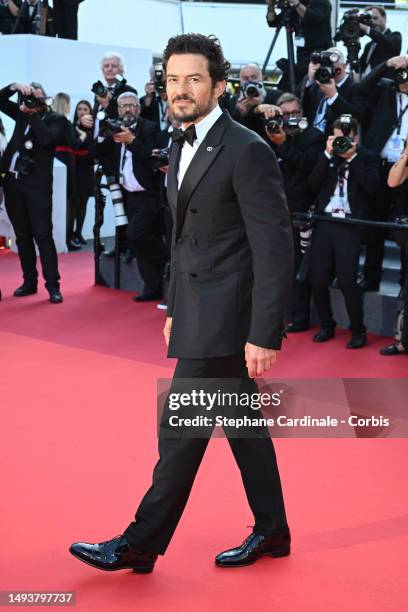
point(126, 136)
point(104, 101)
point(400, 61)
point(279, 138)
point(244, 105)
point(329, 146)
point(258, 359)
point(87, 121)
point(329, 89)
point(26, 90)
point(269, 111)
point(311, 71)
point(167, 330)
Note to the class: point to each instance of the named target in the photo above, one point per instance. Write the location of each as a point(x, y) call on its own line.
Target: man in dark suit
point(28, 166)
point(232, 265)
point(297, 150)
point(128, 155)
point(346, 182)
point(66, 18)
point(385, 135)
point(384, 44)
point(324, 102)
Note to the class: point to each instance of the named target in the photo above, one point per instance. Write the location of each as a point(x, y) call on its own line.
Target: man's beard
point(193, 112)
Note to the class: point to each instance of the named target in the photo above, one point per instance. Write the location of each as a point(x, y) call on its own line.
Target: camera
point(160, 158)
point(273, 125)
point(252, 89)
point(349, 29)
point(24, 164)
point(110, 127)
point(32, 101)
point(400, 75)
point(342, 144)
point(99, 89)
point(326, 72)
point(159, 80)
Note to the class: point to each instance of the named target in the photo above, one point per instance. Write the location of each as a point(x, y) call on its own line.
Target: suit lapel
point(207, 153)
point(174, 158)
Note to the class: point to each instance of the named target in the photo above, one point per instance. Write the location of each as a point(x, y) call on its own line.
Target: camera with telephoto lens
point(252, 89)
point(326, 71)
point(99, 89)
point(342, 144)
point(160, 158)
point(349, 29)
point(110, 127)
point(159, 80)
point(273, 125)
point(400, 75)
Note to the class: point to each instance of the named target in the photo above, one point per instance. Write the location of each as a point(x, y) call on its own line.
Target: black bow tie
point(181, 136)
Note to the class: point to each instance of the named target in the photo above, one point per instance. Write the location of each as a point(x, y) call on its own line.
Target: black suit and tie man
point(232, 266)
point(346, 178)
point(383, 45)
point(27, 164)
point(128, 155)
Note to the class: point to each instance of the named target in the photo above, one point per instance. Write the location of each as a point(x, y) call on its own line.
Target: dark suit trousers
point(335, 252)
point(30, 211)
point(161, 508)
point(142, 235)
point(66, 19)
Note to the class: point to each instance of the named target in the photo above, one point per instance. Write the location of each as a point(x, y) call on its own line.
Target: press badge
point(338, 207)
point(395, 149)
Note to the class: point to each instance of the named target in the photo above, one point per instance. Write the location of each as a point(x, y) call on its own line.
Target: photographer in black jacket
point(28, 167)
point(387, 86)
point(346, 177)
point(297, 147)
point(129, 151)
point(310, 20)
point(383, 45)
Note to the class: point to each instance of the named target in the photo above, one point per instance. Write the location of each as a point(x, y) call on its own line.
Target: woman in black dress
point(84, 171)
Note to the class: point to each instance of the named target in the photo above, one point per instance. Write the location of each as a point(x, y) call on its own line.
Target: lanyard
point(342, 178)
point(401, 114)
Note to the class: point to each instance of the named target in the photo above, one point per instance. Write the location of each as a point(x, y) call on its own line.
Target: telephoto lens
point(273, 125)
point(99, 89)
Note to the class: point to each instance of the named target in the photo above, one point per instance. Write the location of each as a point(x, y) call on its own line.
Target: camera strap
point(402, 111)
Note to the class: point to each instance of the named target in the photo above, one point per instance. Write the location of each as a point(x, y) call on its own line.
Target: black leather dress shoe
point(357, 341)
point(393, 349)
point(324, 334)
point(294, 328)
point(25, 289)
point(148, 297)
point(253, 548)
point(72, 245)
point(115, 554)
point(55, 295)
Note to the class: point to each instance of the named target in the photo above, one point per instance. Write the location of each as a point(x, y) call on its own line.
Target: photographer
point(129, 146)
point(153, 105)
point(387, 85)
point(28, 167)
point(328, 91)
point(33, 18)
point(310, 21)
point(297, 148)
point(346, 177)
point(384, 44)
point(253, 103)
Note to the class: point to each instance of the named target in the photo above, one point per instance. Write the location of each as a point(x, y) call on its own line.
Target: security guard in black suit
point(28, 167)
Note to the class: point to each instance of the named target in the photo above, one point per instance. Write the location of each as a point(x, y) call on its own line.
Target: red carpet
point(78, 446)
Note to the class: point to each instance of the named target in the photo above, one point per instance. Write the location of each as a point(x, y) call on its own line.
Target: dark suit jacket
point(376, 87)
point(347, 102)
point(297, 158)
point(232, 251)
point(387, 45)
point(151, 112)
point(141, 148)
point(45, 133)
point(363, 181)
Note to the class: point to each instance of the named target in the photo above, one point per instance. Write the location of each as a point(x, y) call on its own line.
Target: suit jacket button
point(193, 210)
point(193, 274)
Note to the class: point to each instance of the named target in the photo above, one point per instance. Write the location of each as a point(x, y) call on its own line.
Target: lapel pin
point(209, 149)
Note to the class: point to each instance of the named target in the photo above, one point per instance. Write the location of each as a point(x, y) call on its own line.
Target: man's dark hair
point(198, 44)
point(288, 97)
point(353, 125)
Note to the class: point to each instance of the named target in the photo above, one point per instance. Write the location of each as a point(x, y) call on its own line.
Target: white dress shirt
point(338, 202)
point(188, 151)
point(127, 177)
